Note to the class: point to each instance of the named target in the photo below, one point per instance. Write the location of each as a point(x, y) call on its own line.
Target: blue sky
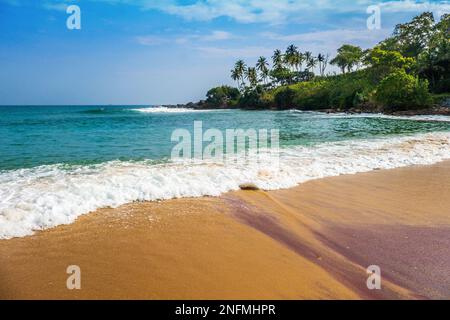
point(161, 52)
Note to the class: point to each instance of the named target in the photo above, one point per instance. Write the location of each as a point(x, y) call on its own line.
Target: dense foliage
point(399, 73)
point(400, 91)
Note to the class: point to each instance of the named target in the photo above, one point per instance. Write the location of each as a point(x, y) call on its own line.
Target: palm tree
point(298, 60)
point(308, 56)
point(235, 76)
point(252, 76)
point(290, 56)
point(240, 69)
point(263, 67)
point(323, 62)
point(312, 63)
point(277, 59)
point(320, 60)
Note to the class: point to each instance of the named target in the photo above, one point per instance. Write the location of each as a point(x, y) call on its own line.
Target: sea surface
point(59, 162)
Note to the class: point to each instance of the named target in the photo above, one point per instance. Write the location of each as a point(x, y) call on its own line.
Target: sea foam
point(48, 196)
point(343, 115)
point(168, 110)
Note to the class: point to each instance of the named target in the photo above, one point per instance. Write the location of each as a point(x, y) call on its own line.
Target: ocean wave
point(168, 110)
point(342, 115)
point(48, 196)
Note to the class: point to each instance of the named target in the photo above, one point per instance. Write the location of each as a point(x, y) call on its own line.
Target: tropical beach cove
point(372, 195)
point(224, 158)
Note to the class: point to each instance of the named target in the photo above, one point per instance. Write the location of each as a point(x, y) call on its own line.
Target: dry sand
point(314, 241)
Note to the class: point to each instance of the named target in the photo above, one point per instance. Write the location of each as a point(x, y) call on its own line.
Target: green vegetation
point(409, 70)
point(401, 91)
point(222, 97)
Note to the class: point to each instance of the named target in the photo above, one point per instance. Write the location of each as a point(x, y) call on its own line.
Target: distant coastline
point(405, 74)
point(440, 107)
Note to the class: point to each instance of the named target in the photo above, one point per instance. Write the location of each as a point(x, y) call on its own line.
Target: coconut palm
point(263, 67)
point(235, 76)
point(240, 69)
point(311, 63)
point(323, 62)
point(320, 60)
point(310, 60)
point(290, 56)
point(252, 76)
point(298, 60)
point(308, 55)
point(277, 59)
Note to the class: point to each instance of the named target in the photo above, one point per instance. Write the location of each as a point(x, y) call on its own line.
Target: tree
point(323, 62)
point(277, 59)
point(413, 37)
point(222, 96)
point(311, 64)
point(298, 60)
point(400, 91)
point(235, 76)
point(239, 70)
point(263, 67)
point(383, 62)
point(291, 56)
point(433, 63)
point(282, 75)
point(252, 76)
point(340, 61)
point(284, 99)
point(348, 57)
point(308, 56)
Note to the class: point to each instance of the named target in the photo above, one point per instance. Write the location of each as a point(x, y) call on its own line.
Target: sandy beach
point(313, 241)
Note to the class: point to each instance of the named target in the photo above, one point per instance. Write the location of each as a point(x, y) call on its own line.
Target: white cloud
point(414, 6)
point(154, 40)
point(329, 40)
point(239, 10)
point(55, 6)
point(268, 11)
point(150, 40)
point(327, 36)
point(281, 11)
point(216, 35)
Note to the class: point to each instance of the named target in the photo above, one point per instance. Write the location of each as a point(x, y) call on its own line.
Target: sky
point(147, 52)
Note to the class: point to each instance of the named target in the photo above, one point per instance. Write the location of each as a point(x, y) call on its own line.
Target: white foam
point(48, 196)
point(342, 115)
point(168, 110)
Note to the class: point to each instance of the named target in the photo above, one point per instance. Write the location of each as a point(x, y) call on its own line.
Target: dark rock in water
point(248, 186)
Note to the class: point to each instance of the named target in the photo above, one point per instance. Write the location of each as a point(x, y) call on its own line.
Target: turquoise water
point(31, 136)
point(59, 162)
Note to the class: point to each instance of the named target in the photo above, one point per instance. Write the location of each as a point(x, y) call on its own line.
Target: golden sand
point(314, 241)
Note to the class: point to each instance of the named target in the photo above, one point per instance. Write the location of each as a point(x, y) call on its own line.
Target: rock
point(248, 186)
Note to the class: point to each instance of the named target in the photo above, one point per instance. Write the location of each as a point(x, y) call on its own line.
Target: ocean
point(59, 162)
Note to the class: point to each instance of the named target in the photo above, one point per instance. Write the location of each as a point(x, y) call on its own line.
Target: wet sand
point(314, 241)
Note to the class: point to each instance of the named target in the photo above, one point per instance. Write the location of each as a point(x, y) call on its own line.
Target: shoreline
point(312, 241)
point(437, 110)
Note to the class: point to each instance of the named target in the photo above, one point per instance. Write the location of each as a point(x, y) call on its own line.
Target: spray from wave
point(168, 110)
point(48, 196)
point(343, 115)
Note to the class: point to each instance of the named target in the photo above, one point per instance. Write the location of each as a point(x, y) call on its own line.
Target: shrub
point(311, 95)
point(254, 98)
point(284, 99)
point(401, 91)
point(223, 96)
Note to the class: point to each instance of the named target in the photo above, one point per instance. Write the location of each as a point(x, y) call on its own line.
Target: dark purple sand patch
point(270, 225)
point(417, 258)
